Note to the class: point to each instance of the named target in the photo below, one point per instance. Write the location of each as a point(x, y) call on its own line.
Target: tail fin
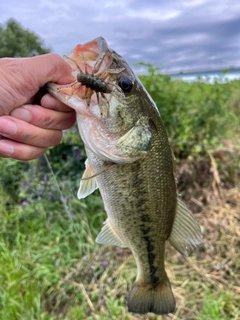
point(147, 298)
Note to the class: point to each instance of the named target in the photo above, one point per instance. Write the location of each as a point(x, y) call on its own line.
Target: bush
point(197, 115)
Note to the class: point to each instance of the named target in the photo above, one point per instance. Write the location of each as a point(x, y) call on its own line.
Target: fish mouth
point(95, 77)
point(101, 96)
point(64, 94)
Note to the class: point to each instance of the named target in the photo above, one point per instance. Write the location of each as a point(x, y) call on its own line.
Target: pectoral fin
point(186, 234)
point(88, 182)
point(108, 236)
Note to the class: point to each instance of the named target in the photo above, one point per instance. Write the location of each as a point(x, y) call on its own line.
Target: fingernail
point(5, 148)
point(22, 114)
point(7, 127)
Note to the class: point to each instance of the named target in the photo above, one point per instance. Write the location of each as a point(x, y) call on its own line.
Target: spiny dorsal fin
point(88, 182)
point(108, 236)
point(186, 234)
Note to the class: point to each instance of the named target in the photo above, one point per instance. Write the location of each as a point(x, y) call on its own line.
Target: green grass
point(44, 274)
point(216, 306)
point(37, 252)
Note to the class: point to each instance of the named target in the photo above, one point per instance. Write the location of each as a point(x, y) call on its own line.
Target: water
point(210, 76)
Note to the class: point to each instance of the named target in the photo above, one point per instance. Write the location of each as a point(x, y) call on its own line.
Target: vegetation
point(197, 115)
point(45, 273)
point(16, 41)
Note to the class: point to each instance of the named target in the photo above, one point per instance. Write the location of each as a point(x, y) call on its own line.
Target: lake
point(225, 75)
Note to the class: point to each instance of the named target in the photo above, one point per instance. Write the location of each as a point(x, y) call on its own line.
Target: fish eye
point(125, 84)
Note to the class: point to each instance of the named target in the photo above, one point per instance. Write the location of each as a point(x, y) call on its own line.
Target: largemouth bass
point(130, 160)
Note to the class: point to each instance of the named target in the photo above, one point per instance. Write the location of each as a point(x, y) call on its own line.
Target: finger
point(19, 151)
point(45, 118)
point(23, 77)
point(49, 102)
point(21, 131)
point(49, 68)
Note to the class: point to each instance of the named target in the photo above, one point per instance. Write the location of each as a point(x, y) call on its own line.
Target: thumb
point(21, 78)
point(49, 68)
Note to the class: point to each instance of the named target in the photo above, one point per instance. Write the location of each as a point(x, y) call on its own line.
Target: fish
point(130, 160)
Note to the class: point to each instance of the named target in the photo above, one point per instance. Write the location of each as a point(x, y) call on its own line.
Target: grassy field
point(47, 272)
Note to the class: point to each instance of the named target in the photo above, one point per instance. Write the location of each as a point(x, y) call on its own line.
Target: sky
point(175, 35)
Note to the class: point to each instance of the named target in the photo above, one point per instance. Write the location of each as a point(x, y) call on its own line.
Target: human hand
point(32, 120)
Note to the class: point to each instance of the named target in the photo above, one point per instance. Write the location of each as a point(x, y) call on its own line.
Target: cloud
point(175, 35)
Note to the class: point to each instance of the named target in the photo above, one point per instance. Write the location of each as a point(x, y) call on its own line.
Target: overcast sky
point(176, 35)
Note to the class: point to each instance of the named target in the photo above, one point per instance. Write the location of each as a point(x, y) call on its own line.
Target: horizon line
point(201, 71)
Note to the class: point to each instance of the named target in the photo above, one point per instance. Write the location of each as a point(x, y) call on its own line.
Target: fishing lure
point(94, 81)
